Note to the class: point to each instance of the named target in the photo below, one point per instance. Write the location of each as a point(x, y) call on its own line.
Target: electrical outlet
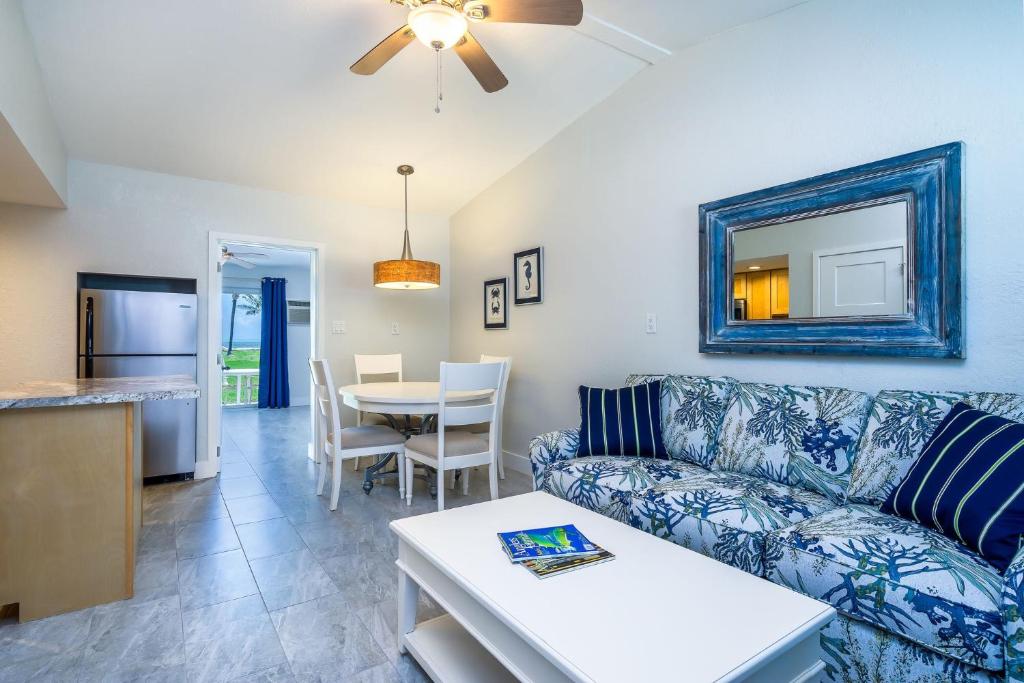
point(394, 328)
point(338, 327)
point(652, 323)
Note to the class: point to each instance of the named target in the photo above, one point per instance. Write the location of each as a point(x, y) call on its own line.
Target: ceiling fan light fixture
point(437, 25)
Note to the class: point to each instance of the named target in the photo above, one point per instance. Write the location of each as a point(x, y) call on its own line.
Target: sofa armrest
point(1013, 618)
point(547, 449)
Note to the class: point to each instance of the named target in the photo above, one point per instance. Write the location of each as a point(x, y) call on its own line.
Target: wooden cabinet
point(766, 293)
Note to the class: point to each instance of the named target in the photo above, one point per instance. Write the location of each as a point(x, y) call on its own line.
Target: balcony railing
point(240, 388)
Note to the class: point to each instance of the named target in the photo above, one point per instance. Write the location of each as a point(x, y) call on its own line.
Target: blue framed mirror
point(864, 261)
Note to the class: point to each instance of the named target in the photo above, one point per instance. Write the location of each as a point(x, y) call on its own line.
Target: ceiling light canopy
point(406, 272)
point(438, 26)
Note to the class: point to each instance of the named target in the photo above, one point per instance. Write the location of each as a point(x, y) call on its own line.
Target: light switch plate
point(394, 328)
point(652, 323)
point(338, 327)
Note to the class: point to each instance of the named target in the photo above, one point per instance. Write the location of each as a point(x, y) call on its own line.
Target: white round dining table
point(403, 398)
point(393, 399)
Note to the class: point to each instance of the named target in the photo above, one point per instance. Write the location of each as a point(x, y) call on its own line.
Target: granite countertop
point(76, 392)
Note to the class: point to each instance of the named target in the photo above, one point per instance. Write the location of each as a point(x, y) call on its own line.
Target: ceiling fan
point(444, 24)
point(240, 257)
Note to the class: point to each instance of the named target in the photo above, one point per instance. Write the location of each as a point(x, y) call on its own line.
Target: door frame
point(817, 255)
point(317, 250)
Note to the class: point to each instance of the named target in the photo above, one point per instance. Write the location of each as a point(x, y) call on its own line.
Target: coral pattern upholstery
point(785, 482)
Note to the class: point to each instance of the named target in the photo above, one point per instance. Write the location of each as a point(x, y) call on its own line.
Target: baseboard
point(206, 469)
point(517, 462)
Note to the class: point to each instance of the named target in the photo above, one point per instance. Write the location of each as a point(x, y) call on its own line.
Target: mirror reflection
point(846, 264)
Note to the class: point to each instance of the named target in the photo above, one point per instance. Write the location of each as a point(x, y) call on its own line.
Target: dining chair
point(484, 428)
point(369, 365)
point(457, 450)
point(350, 442)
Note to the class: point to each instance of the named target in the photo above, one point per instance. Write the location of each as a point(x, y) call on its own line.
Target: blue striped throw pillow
point(622, 421)
point(967, 483)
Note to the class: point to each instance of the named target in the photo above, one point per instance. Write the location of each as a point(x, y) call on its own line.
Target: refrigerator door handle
point(89, 315)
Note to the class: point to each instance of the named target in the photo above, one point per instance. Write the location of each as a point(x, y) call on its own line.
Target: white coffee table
point(657, 612)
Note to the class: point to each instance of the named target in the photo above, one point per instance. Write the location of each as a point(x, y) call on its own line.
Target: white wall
point(824, 86)
point(299, 337)
point(125, 221)
point(33, 165)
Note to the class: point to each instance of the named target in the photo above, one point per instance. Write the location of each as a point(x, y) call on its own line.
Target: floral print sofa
point(786, 482)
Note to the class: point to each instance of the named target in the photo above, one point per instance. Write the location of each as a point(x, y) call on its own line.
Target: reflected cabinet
point(864, 261)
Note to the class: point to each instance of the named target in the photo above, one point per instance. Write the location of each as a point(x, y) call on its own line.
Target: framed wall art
point(528, 275)
point(496, 304)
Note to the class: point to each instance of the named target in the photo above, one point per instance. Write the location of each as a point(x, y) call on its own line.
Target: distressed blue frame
point(930, 181)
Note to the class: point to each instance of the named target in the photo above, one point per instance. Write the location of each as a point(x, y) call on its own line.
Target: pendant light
point(406, 272)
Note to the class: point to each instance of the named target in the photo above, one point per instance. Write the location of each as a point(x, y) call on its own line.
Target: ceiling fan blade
point(561, 12)
point(385, 50)
point(242, 262)
point(480, 63)
point(249, 254)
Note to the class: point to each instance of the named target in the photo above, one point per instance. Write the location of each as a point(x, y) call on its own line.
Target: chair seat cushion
point(455, 443)
point(724, 515)
point(604, 483)
point(368, 436)
point(896, 575)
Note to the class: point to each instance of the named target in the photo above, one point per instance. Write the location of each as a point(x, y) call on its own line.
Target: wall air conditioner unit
point(298, 312)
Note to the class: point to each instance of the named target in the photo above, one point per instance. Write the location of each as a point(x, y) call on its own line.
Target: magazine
point(553, 566)
point(552, 541)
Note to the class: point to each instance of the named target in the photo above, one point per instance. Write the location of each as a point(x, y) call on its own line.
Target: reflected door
point(860, 282)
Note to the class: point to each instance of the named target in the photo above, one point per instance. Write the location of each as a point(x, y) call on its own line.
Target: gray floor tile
point(60, 667)
point(382, 673)
point(253, 509)
point(212, 579)
point(233, 470)
point(324, 638)
point(156, 569)
point(291, 578)
point(45, 637)
point(157, 537)
point(128, 638)
point(206, 538)
point(364, 579)
point(381, 620)
point(230, 640)
point(241, 487)
point(276, 674)
point(269, 537)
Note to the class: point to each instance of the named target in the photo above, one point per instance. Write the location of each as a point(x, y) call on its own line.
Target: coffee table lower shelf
point(447, 652)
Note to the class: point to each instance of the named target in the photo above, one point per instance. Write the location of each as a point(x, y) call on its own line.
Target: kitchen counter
point(76, 392)
point(71, 489)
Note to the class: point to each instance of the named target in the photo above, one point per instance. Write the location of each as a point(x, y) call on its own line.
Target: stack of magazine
point(552, 550)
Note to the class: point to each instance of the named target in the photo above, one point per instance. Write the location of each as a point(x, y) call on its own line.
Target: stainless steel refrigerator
point(140, 334)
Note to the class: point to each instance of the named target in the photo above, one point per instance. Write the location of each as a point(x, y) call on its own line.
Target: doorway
point(260, 346)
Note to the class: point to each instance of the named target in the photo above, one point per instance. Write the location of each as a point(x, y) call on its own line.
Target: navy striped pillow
point(967, 483)
point(622, 421)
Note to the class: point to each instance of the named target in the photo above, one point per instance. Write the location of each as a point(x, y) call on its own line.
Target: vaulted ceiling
point(258, 92)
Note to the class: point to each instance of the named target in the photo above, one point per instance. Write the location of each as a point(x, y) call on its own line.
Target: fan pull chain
point(440, 95)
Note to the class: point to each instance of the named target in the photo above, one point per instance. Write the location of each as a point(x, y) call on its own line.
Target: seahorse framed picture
point(528, 276)
point(495, 304)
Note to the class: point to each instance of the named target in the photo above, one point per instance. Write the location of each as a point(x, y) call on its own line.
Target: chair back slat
point(378, 364)
point(326, 398)
point(500, 410)
point(455, 414)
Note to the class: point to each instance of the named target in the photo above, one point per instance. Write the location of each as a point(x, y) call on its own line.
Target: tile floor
point(247, 577)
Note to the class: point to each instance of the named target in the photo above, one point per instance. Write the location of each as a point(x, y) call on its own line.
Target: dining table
point(398, 402)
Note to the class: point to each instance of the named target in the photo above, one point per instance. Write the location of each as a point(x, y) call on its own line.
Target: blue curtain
point(274, 345)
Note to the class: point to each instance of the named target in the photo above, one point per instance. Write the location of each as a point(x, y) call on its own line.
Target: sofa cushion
point(622, 421)
point(724, 515)
point(967, 484)
point(599, 482)
point(801, 436)
point(898, 425)
point(896, 575)
point(691, 413)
